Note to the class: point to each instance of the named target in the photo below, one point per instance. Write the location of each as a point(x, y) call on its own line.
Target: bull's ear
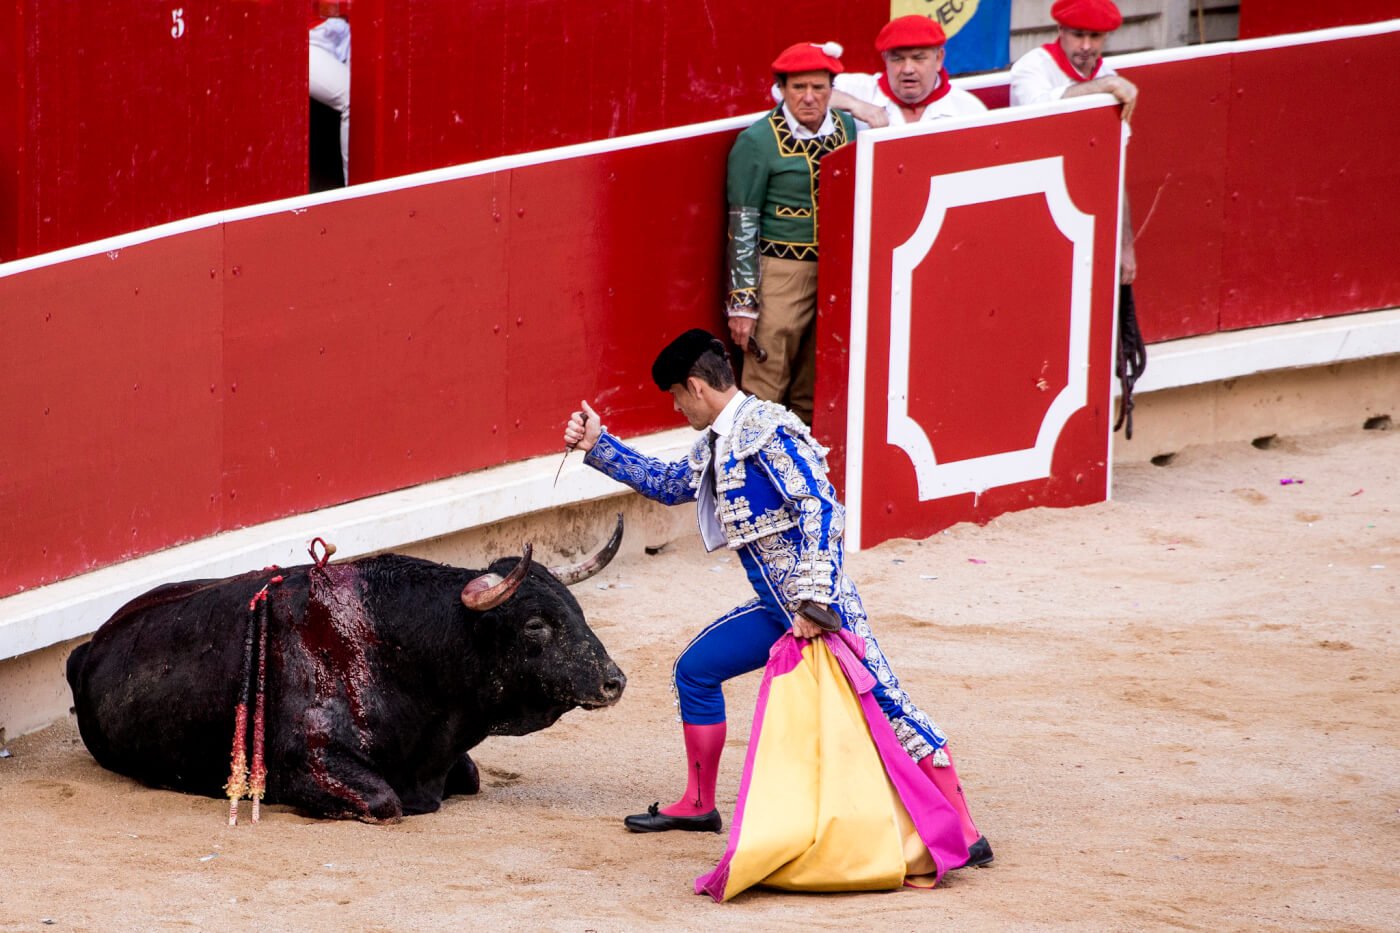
point(576, 573)
point(491, 589)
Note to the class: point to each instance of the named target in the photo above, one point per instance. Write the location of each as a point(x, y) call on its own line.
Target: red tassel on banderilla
point(243, 782)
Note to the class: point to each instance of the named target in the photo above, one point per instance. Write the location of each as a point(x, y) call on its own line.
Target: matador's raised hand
point(583, 429)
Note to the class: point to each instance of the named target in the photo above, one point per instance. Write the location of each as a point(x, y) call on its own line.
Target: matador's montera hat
point(674, 361)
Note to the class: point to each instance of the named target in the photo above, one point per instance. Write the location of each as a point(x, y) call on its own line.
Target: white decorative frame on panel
point(992, 187)
point(979, 186)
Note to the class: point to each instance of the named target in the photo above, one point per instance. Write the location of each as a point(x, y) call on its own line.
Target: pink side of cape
point(785, 655)
point(933, 817)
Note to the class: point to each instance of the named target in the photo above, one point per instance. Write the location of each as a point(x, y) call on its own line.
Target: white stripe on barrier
point(300, 203)
point(75, 607)
point(859, 340)
point(1183, 53)
point(728, 124)
point(1189, 361)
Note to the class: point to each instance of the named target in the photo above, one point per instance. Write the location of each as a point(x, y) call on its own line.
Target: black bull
point(380, 676)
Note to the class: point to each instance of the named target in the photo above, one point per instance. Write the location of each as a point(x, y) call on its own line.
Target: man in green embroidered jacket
point(773, 225)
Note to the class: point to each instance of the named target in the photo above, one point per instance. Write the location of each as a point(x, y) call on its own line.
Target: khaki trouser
point(787, 326)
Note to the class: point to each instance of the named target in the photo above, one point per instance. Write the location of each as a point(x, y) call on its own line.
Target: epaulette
point(699, 457)
point(758, 421)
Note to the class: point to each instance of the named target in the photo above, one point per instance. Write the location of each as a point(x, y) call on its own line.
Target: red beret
point(909, 32)
point(809, 56)
point(1088, 15)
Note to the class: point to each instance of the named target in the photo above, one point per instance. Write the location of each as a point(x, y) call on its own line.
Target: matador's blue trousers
point(739, 641)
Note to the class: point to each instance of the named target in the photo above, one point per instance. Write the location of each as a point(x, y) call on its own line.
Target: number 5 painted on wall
point(177, 15)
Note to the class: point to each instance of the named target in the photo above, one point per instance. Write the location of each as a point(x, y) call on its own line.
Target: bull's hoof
point(978, 854)
point(654, 821)
point(463, 777)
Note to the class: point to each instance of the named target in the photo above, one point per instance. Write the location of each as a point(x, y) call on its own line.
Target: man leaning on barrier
point(772, 182)
point(1073, 66)
point(914, 85)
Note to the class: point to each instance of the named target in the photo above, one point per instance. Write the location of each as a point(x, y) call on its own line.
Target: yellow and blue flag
point(979, 31)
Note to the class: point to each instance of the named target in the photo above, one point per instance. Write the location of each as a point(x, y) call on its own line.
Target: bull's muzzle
point(614, 682)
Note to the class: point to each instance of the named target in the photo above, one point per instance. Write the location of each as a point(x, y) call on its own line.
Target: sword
point(568, 449)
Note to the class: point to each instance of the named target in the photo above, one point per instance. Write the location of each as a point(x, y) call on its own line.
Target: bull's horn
point(576, 573)
point(491, 589)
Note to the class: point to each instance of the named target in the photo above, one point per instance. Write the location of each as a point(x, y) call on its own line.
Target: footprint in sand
point(60, 789)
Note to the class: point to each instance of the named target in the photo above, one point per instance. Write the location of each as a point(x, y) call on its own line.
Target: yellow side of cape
point(821, 815)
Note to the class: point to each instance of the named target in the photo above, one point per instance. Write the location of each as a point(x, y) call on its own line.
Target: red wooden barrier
point(1311, 229)
point(458, 82)
point(1271, 205)
point(110, 408)
point(263, 367)
point(1176, 182)
point(270, 366)
point(121, 114)
point(1273, 17)
point(129, 114)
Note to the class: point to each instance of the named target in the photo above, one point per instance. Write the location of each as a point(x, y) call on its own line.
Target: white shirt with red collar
point(1040, 76)
point(955, 103)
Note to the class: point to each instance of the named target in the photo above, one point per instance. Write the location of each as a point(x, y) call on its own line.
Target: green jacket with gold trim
point(772, 189)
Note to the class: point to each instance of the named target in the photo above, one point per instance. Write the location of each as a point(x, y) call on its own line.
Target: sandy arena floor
point(1177, 710)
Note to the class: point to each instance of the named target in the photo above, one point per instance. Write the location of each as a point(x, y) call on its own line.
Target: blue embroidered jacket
point(779, 512)
point(771, 491)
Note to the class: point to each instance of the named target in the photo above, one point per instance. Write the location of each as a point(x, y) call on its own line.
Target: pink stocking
point(703, 745)
point(946, 780)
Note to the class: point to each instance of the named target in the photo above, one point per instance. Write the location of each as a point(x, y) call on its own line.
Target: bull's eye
point(537, 629)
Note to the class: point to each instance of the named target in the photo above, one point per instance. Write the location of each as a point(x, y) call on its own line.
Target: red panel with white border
point(984, 281)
